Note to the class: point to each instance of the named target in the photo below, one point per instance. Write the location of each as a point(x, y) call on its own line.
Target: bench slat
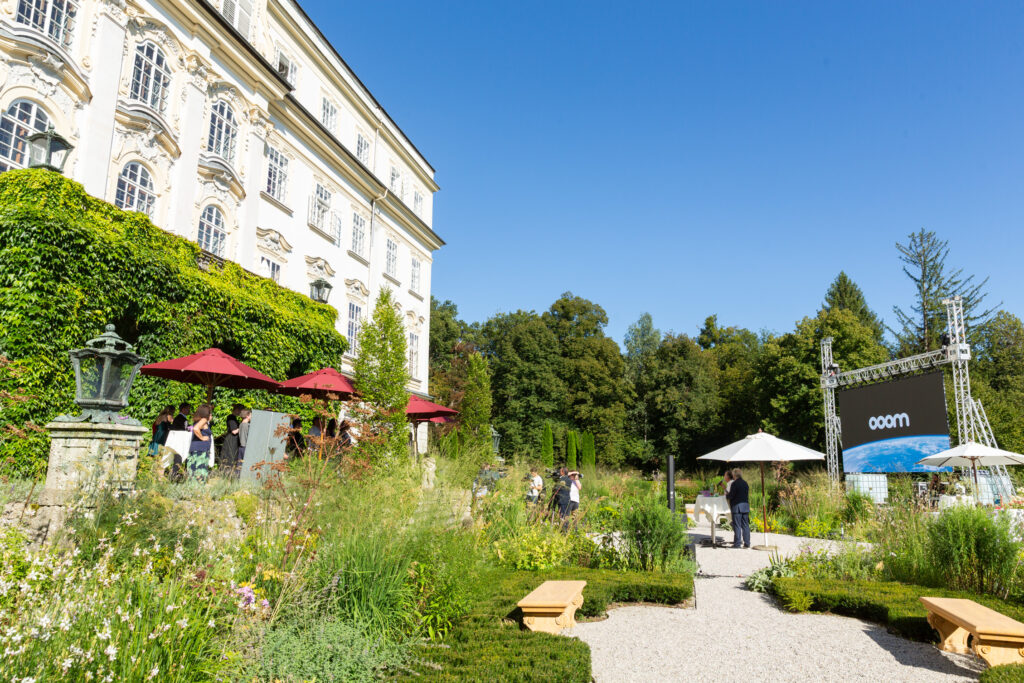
point(552, 594)
point(975, 618)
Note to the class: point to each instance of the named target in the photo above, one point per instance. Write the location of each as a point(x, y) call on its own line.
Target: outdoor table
point(712, 507)
point(952, 501)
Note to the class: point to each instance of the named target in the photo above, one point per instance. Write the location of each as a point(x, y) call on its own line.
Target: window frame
point(362, 149)
point(391, 258)
point(414, 275)
point(19, 130)
point(217, 234)
point(329, 114)
point(272, 269)
point(358, 230)
point(353, 327)
point(130, 192)
point(223, 134)
point(277, 173)
point(151, 77)
point(55, 19)
point(413, 354)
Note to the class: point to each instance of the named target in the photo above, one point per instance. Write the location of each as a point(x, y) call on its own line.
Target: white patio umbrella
point(762, 448)
point(971, 454)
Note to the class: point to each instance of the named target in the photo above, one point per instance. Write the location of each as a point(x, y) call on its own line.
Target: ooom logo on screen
point(889, 421)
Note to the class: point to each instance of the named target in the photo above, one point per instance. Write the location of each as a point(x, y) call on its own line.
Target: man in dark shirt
point(181, 419)
point(563, 491)
point(739, 505)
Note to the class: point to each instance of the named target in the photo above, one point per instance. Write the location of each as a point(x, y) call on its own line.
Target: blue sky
point(695, 158)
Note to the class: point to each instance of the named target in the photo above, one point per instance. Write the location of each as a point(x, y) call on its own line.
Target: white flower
point(110, 652)
point(153, 673)
point(210, 624)
point(183, 623)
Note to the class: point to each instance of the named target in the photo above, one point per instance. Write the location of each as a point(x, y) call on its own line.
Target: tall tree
point(475, 415)
point(570, 449)
point(641, 340)
point(547, 447)
point(844, 293)
point(381, 375)
point(924, 262)
point(588, 454)
point(592, 370)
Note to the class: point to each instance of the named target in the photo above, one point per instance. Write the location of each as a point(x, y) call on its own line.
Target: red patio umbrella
point(320, 384)
point(211, 368)
point(421, 410)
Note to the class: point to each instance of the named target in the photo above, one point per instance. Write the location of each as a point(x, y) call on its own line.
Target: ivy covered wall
point(71, 263)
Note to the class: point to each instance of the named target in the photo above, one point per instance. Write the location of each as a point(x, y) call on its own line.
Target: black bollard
point(671, 484)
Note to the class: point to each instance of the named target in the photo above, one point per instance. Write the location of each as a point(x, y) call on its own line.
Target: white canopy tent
point(762, 448)
point(971, 454)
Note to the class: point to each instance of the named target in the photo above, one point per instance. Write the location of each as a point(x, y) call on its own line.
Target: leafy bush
point(858, 508)
point(538, 546)
point(774, 523)
point(315, 649)
point(145, 281)
point(816, 527)
point(653, 535)
point(439, 599)
point(245, 506)
point(976, 552)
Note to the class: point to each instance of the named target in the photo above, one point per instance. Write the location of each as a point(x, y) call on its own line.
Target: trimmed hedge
point(895, 605)
point(490, 645)
point(71, 263)
point(1007, 673)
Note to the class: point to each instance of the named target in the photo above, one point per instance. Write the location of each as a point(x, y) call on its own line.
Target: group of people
point(566, 495)
point(297, 442)
point(737, 494)
point(200, 423)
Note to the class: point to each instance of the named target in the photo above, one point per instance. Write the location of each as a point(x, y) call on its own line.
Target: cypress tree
point(570, 450)
point(589, 456)
point(547, 447)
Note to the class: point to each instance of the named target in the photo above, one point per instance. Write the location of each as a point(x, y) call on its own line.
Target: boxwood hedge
point(71, 263)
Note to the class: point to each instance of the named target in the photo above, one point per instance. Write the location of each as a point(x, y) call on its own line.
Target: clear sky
point(691, 158)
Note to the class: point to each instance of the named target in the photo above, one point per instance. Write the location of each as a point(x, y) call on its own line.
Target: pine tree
point(381, 377)
point(589, 454)
point(924, 257)
point(570, 450)
point(844, 293)
point(547, 447)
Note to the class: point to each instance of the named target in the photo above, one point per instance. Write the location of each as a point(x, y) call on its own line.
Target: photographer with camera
point(536, 486)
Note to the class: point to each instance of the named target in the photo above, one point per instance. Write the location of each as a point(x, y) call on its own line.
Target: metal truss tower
point(971, 421)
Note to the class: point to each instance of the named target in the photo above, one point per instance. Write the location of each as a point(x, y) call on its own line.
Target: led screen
point(888, 427)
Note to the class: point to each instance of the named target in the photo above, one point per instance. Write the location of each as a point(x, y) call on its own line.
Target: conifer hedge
point(71, 263)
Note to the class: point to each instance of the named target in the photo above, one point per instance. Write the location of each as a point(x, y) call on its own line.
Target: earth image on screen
point(895, 455)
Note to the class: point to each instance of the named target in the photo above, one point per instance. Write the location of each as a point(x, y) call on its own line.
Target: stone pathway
point(734, 634)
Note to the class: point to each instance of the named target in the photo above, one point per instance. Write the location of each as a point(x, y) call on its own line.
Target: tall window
point(329, 115)
point(396, 178)
point(55, 18)
point(358, 234)
point(362, 149)
point(239, 14)
point(287, 67)
point(414, 277)
point(414, 354)
point(337, 228)
point(223, 131)
point(271, 269)
point(355, 313)
point(417, 202)
point(391, 265)
point(319, 207)
point(277, 173)
point(22, 118)
point(211, 231)
point(135, 189)
point(151, 78)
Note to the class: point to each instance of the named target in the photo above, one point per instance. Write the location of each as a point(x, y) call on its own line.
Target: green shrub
point(858, 508)
point(245, 506)
point(975, 552)
point(816, 527)
point(653, 535)
point(439, 598)
point(1007, 673)
point(538, 546)
point(547, 446)
point(315, 649)
point(71, 263)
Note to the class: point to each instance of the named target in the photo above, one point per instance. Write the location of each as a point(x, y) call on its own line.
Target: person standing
point(243, 438)
point(575, 486)
point(229, 449)
point(160, 429)
point(563, 492)
point(199, 452)
point(739, 505)
point(180, 422)
point(536, 486)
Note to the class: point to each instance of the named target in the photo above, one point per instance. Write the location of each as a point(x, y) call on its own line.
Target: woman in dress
point(243, 438)
point(199, 451)
point(228, 460)
point(160, 429)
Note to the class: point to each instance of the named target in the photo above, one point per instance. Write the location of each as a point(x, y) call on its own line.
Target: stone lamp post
point(98, 448)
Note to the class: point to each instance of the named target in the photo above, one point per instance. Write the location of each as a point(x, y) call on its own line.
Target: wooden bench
point(552, 606)
point(998, 639)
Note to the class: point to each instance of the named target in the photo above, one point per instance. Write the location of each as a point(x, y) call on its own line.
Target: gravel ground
point(737, 635)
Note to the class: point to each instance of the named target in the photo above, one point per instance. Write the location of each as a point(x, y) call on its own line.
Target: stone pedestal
point(85, 457)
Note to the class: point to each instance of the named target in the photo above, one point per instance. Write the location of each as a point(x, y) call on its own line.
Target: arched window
point(135, 189)
point(211, 231)
point(151, 78)
point(223, 131)
point(55, 18)
point(22, 118)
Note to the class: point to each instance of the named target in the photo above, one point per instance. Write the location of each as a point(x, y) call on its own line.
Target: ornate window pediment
point(213, 168)
point(151, 130)
point(318, 268)
point(356, 289)
point(47, 66)
point(273, 243)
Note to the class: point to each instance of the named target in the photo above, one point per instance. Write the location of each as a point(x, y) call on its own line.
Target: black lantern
point(48, 150)
point(495, 439)
point(319, 290)
point(104, 372)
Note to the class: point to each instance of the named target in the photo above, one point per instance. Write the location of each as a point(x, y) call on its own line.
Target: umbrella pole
point(209, 395)
point(977, 491)
point(764, 509)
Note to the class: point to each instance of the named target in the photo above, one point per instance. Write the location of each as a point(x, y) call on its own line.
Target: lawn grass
point(489, 644)
point(1008, 673)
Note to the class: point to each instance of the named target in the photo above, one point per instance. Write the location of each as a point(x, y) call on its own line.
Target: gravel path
point(738, 635)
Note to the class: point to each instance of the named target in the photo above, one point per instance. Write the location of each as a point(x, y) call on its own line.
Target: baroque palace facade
point(235, 124)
